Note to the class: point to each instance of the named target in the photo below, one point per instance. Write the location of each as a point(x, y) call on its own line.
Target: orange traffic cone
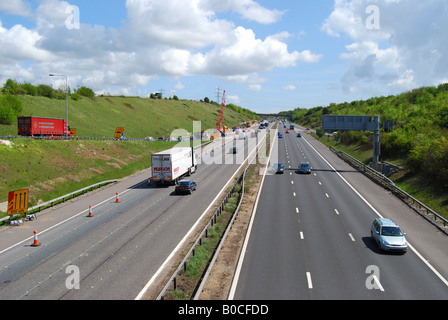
point(117, 199)
point(36, 242)
point(90, 212)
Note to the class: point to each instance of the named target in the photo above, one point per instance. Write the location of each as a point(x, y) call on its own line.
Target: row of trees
point(419, 133)
point(11, 106)
point(12, 87)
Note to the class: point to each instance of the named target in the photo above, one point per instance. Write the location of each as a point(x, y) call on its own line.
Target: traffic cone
point(90, 212)
point(117, 199)
point(36, 242)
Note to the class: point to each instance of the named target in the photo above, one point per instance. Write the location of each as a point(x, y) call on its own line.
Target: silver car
point(388, 235)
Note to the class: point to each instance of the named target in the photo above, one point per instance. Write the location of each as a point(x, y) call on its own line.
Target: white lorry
point(169, 166)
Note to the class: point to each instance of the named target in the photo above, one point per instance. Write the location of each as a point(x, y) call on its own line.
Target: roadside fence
point(32, 211)
point(388, 184)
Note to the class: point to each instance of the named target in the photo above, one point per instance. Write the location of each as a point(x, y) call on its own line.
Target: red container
point(36, 126)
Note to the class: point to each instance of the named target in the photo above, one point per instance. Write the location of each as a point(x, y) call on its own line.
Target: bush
point(10, 107)
point(86, 92)
point(10, 87)
point(45, 90)
point(76, 96)
point(29, 89)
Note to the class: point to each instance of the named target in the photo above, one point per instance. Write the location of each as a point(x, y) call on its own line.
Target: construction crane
point(219, 126)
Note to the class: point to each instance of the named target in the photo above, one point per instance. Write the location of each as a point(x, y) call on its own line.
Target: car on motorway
point(304, 167)
point(185, 186)
point(388, 235)
point(280, 135)
point(299, 135)
point(287, 131)
point(233, 150)
point(279, 168)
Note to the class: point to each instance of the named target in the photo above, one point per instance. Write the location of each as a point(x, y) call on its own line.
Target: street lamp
point(66, 99)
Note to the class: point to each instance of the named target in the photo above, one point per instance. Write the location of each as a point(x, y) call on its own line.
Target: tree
point(206, 100)
point(10, 107)
point(86, 92)
point(10, 87)
point(45, 90)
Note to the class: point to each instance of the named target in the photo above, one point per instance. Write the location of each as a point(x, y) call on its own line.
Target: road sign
point(18, 202)
point(118, 133)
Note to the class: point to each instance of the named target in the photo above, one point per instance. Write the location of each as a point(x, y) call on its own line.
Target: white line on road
point(379, 215)
point(351, 237)
point(308, 278)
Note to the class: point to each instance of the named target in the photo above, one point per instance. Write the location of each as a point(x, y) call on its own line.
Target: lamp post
point(66, 99)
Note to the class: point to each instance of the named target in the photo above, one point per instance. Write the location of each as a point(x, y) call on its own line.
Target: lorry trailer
point(38, 126)
point(169, 166)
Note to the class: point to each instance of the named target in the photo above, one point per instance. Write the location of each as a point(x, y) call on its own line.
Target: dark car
point(280, 135)
point(299, 135)
point(233, 150)
point(304, 167)
point(279, 168)
point(185, 186)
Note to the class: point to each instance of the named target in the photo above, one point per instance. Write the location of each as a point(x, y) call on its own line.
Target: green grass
point(99, 117)
point(50, 169)
point(414, 184)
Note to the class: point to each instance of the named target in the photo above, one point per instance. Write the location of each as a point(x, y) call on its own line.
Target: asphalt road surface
point(310, 237)
point(118, 252)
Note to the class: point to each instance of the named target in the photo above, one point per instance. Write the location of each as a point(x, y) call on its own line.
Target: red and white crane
point(219, 126)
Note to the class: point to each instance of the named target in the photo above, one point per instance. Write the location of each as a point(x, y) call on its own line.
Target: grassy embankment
point(54, 168)
point(417, 141)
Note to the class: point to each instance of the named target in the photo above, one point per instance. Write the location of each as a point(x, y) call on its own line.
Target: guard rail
point(387, 183)
point(71, 195)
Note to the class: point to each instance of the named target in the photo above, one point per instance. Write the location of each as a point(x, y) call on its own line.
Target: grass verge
point(187, 281)
point(433, 196)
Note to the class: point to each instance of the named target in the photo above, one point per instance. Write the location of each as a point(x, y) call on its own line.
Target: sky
point(268, 56)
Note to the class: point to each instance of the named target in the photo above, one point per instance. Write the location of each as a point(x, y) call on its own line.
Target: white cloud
point(19, 43)
point(408, 50)
point(289, 87)
point(16, 7)
point(248, 9)
point(159, 38)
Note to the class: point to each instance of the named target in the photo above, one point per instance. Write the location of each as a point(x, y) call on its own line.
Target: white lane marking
point(379, 215)
point(68, 219)
point(336, 210)
point(308, 278)
point(351, 237)
point(246, 240)
point(301, 235)
point(297, 210)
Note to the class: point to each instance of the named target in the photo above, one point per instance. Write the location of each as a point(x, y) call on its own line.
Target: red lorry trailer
point(37, 126)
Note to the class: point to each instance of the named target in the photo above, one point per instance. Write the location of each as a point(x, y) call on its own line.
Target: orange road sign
point(18, 202)
point(118, 133)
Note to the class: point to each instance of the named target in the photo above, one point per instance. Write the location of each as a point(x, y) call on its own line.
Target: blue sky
point(269, 56)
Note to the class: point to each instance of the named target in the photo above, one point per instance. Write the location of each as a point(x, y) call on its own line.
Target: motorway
point(120, 252)
point(310, 236)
